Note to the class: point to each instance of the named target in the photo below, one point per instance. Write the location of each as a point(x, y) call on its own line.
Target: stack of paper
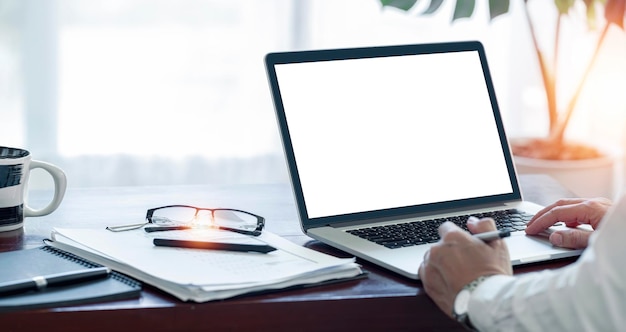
point(203, 275)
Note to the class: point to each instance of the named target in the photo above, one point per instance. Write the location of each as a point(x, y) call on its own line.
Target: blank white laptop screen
point(388, 132)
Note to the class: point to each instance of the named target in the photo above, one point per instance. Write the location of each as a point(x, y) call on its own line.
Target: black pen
point(492, 236)
point(261, 248)
point(52, 280)
point(165, 228)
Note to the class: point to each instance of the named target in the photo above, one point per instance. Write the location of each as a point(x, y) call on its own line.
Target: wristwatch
point(459, 311)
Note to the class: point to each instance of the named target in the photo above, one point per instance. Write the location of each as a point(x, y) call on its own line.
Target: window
point(149, 92)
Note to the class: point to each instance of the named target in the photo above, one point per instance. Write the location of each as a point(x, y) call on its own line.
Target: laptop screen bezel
point(278, 58)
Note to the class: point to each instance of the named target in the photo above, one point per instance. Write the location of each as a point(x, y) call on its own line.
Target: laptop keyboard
point(425, 231)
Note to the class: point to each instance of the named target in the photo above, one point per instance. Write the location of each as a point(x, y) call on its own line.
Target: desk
point(383, 301)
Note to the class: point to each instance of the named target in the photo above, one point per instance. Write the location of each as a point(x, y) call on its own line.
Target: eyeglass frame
point(256, 232)
point(150, 212)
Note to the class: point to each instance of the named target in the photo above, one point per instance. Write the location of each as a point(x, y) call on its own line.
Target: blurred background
point(157, 92)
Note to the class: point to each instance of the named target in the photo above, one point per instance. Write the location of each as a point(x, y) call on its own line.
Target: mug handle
point(60, 184)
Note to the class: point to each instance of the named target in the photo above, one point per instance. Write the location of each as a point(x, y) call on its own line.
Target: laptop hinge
point(436, 214)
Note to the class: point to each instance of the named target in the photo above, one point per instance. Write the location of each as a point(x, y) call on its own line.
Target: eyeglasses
point(176, 217)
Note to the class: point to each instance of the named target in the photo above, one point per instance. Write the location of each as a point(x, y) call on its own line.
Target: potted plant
point(554, 146)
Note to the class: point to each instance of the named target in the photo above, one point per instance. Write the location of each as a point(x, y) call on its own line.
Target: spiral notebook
point(46, 260)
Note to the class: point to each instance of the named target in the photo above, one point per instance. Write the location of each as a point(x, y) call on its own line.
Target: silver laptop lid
point(389, 132)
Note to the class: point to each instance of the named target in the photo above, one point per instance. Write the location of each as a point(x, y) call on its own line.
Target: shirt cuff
point(484, 297)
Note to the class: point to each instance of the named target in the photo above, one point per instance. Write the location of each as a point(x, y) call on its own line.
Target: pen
point(261, 248)
point(165, 228)
point(491, 236)
point(51, 280)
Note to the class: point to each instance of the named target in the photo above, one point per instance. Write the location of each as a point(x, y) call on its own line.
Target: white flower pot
point(585, 178)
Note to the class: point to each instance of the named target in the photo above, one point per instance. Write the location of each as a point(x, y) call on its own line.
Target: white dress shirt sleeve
point(588, 295)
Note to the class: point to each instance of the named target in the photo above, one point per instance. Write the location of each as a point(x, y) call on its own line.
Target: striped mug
point(15, 167)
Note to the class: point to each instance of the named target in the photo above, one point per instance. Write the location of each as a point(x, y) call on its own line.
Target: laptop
point(383, 144)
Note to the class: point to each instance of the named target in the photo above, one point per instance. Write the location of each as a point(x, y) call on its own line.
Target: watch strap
point(464, 317)
point(474, 283)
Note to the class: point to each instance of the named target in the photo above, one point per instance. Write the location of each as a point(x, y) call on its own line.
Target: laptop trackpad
point(525, 249)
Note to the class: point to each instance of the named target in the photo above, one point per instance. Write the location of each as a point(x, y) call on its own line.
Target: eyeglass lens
point(219, 217)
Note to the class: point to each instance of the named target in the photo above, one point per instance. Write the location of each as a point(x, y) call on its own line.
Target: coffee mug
point(15, 167)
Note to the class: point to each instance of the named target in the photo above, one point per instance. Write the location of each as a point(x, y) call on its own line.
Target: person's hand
point(458, 258)
point(572, 212)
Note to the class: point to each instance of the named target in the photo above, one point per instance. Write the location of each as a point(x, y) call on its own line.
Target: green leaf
point(591, 13)
point(400, 4)
point(498, 7)
point(433, 7)
point(563, 6)
point(463, 9)
point(589, 3)
point(614, 12)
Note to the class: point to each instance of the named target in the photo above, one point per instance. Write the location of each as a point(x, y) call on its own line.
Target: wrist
point(461, 302)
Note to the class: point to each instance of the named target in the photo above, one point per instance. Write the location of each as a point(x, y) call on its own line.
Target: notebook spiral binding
point(70, 256)
point(89, 264)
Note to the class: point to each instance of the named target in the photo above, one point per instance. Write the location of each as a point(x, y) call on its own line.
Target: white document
point(202, 275)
